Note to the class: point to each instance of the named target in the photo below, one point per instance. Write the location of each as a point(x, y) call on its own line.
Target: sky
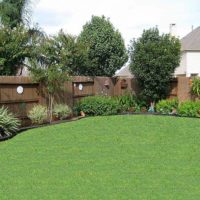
point(130, 17)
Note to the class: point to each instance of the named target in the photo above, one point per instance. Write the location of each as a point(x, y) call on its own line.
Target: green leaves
point(196, 86)
point(98, 105)
point(14, 48)
point(8, 122)
point(38, 114)
point(106, 48)
point(189, 109)
point(62, 111)
point(48, 68)
point(154, 58)
point(167, 106)
point(14, 13)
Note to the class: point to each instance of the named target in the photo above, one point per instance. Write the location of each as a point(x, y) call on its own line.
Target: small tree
point(47, 69)
point(105, 47)
point(154, 58)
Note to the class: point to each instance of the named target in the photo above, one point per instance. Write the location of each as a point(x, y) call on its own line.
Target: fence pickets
point(77, 88)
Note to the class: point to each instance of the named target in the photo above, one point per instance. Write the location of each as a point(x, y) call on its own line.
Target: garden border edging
point(81, 117)
point(39, 126)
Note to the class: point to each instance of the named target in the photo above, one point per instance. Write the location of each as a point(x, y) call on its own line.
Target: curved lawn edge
point(23, 129)
point(80, 117)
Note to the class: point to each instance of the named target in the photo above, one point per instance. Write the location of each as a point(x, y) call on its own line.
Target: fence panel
point(74, 90)
point(82, 87)
point(19, 104)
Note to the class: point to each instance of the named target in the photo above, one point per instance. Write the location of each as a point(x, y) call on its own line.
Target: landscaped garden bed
point(109, 157)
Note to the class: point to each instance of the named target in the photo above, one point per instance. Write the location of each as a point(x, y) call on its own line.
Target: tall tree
point(105, 47)
point(14, 12)
point(14, 48)
point(154, 58)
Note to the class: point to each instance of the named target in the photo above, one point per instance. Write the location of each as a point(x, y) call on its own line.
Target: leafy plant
point(14, 48)
point(105, 47)
point(9, 124)
point(13, 13)
point(196, 86)
point(38, 114)
point(189, 109)
point(154, 58)
point(48, 69)
point(128, 102)
point(98, 105)
point(71, 54)
point(62, 111)
point(167, 106)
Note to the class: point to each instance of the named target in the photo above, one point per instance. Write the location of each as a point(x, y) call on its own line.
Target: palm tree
point(14, 12)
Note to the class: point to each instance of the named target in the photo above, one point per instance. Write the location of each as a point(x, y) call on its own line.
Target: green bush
point(167, 106)
point(128, 103)
point(189, 109)
point(61, 111)
point(196, 86)
point(38, 114)
point(8, 122)
point(97, 105)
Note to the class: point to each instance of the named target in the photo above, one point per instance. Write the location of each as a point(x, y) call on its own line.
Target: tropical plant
point(154, 58)
point(38, 114)
point(105, 47)
point(167, 106)
point(9, 124)
point(61, 111)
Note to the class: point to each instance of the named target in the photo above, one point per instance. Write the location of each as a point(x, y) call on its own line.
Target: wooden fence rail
point(74, 90)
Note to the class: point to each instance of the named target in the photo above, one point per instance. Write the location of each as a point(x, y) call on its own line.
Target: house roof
point(191, 42)
point(124, 72)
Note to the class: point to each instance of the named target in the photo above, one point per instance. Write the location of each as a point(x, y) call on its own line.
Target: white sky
point(130, 17)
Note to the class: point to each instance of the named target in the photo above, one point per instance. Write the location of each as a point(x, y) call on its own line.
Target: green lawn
point(118, 157)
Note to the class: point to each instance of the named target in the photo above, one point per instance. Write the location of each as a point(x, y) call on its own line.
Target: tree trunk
point(50, 107)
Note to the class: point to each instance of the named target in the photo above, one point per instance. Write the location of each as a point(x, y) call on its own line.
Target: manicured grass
point(118, 157)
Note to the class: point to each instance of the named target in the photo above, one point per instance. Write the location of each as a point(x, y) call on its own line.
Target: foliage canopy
point(14, 12)
point(154, 58)
point(15, 46)
point(47, 68)
point(105, 47)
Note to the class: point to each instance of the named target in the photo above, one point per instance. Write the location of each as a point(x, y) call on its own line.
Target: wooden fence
point(74, 90)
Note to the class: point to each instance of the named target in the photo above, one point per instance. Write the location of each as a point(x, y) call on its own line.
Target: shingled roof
point(191, 42)
point(124, 72)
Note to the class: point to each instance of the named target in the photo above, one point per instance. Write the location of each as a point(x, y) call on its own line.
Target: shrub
point(196, 86)
point(128, 103)
point(9, 124)
point(98, 105)
point(167, 106)
point(189, 109)
point(38, 114)
point(61, 111)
